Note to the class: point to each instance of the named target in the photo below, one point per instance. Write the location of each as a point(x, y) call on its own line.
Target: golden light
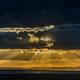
point(39, 58)
point(47, 40)
point(34, 39)
point(34, 58)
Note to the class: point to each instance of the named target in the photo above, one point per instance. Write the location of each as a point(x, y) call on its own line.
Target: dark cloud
point(39, 11)
point(65, 36)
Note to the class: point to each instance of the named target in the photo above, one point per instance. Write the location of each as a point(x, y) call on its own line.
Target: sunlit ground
point(39, 58)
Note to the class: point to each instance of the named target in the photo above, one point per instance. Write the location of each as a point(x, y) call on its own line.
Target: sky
point(39, 12)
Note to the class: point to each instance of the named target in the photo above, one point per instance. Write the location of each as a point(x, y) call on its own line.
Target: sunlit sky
point(41, 12)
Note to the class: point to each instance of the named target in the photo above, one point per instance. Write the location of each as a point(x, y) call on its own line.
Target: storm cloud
point(36, 12)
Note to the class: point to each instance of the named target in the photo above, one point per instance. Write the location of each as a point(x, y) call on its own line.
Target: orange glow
point(34, 58)
point(39, 58)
